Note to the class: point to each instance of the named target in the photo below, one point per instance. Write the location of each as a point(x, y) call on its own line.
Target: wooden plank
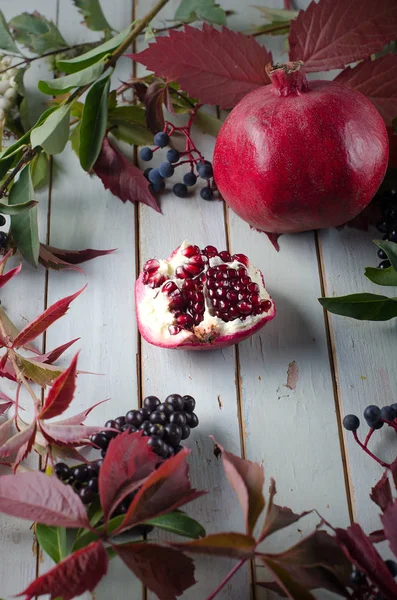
point(209, 376)
point(84, 215)
point(23, 299)
point(289, 422)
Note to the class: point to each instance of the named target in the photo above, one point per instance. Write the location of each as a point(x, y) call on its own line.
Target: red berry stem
point(383, 464)
point(369, 435)
point(390, 423)
point(227, 578)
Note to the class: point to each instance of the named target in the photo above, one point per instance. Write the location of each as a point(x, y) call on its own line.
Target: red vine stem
point(383, 464)
point(227, 578)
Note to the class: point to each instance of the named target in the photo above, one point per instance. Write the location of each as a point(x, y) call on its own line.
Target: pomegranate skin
point(297, 155)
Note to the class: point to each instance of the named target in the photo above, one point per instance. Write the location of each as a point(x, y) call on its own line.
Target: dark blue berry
point(190, 178)
point(62, 471)
point(180, 190)
point(80, 473)
point(145, 428)
point(134, 417)
point(101, 440)
point(394, 406)
point(155, 177)
point(161, 139)
point(193, 421)
point(351, 422)
point(378, 425)
point(172, 155)
point(93, 470)
point(388, 413)
point(157, 430)
point(168, 451)
point(120, 422)
point(176, 401)
point(165, 408)
point(2, 220)
point(189, 404)
point(382, 226)
point(158, 417)
point(358, 577)
point(382, 254)
point(207, 193)
point(372, 414)
point(93, 484)
point(173, 434)
point(392, 566)
point(111, 424)
point(179, 418)
point(157, 445)
point(166, 169)
point(205, 170)
point(151, 402)
point(86, 495)
point(3, 239)
point(385, 264)
point(146, 153)
point(185, 432)
point(178, 449)
point(393, 235)
point(158, 187)
point(146, 172)
point(146, 412)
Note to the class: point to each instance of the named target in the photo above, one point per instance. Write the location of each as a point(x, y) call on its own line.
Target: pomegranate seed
point(146, 277)
point(253, 288)
point(193, 269)
point(156, 280)
point(243, 296)
point(169, 287)
point(225, 275)
point(215, 302)
point(151, 265)
point(211, 272)
point(188, 284)
point(224, 284)
point(218, 276)
point(232, 297)
point(257, 310)
point(211, 293)
point(241, 272)
point(198, 308)
point(241, 258)
point(177, 313)
point(245, 308)
point(197, 319)
point(234, 312)
point(211, 284)
point(185, 320)
point(266, 305)
point(173, 329)
point(225, 256)
point(202, 278)
point(197, 260)
point(222, 268)
point(239, 287)
point(221, 293)
point(180, 273)
point(177, 302)
point(210, 251)
point(232, 273)
point(191, 251)
point(245, 280)
point(255, 299)
point(224, 305)
point(218, 314)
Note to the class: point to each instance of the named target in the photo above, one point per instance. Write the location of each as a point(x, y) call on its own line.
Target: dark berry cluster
point(165, 424)
point(199, 168)
point(375, 418)
point(388, 224)
point(364, 587)
point(3, 235)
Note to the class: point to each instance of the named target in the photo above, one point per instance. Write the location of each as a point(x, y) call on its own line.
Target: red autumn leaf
point(334, 33)
point(389, 521)
point(68, 435)
point(375, 79)
point(128, 462)
point(47, 318)
point(164, 490)
point(26, 447)
point(247, 479)
point(4, 279)
point(164, 571)
point(4, 407)
point(5, 430)
point(17, 441)
point(61, 393)
point(121, 177)
point(80, 417)
point(57, 258)
point(291, 588)
point(362, 553)
point(37, 497)
point(381, 493)
point(277, 517)
point(377, 536)
point(53, 355)
point(218, 67)
point(154, 99)
point(78, 573)
point(231, 544)
point(393, 469)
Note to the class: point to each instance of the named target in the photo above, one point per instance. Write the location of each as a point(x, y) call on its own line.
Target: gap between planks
point(330, 336)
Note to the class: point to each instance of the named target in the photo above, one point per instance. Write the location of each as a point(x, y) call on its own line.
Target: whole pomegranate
point(299, 155)
point(201, 299)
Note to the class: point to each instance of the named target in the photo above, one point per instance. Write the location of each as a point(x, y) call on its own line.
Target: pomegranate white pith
point(201, 299)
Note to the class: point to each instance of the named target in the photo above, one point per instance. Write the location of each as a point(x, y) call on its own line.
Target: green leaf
point(92, 56)
point(62, 542)
point(92, 13)
point(75, 138)
point(37, 33)
point(207, 123)
point(293, 588)
point(53, 134)
point(95, 512)
point(48, 540)
point(24, 226)
point(6, 39)
point(277, 14)
point(131, 114)
point(133, 134)
point(206, 10)
point(130, 122)
point(391, 250)
point(40, 170)
point(365, 307)
point(180, 523)
point(67, 83)
point(93, 123)
point(17, 209)
point(89, 536)
point(41, 373)
point(275, 28)
point(382, 276)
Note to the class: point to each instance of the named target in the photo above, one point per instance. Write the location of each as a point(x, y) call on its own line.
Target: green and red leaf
point(61, 393)
point(231, 544)
point(381, 493)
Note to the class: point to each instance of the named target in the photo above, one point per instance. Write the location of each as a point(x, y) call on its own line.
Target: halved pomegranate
point(201, 299)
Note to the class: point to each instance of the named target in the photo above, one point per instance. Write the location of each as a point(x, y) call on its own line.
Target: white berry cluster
point(8, 86)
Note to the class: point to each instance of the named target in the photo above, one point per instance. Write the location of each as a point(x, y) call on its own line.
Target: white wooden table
point(241, 392)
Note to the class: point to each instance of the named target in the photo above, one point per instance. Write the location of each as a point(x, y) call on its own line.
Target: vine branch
point(24, 160)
